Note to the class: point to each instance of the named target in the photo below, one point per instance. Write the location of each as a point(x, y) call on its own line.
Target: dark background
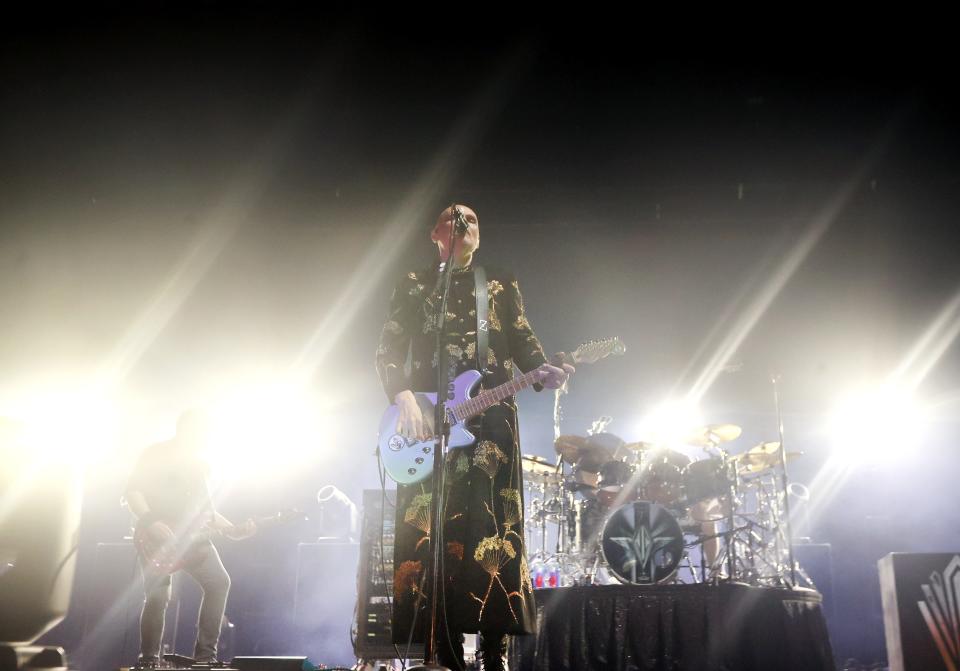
point(192, 196)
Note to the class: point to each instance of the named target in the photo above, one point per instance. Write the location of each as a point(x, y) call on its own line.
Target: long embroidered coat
point(487, 579)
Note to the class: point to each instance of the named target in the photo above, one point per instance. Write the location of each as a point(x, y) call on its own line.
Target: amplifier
point(816, 561)
point(375, 577)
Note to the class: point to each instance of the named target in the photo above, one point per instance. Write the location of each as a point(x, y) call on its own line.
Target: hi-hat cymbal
point(761, 457)
point(540, 468)
point(713, 434)
point(589, 452)
point(570, 447)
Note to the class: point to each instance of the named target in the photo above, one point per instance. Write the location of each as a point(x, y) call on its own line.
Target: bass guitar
point(171, 556)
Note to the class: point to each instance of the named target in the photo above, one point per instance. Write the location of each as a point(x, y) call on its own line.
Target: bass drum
point(642, 543)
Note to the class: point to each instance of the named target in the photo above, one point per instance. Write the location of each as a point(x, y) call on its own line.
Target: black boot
point(492, 652)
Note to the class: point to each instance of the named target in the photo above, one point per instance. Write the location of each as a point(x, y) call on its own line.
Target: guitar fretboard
point(488, 397)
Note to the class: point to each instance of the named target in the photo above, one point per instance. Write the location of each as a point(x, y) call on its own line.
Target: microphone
point(459, 222)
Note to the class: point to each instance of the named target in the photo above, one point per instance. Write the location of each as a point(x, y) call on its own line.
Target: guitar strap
point(483, 303)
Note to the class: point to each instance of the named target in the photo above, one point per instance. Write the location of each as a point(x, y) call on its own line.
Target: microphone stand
point(442, 425)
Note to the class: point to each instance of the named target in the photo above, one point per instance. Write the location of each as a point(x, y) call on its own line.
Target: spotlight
point(875, 426)
point(64, 424)
point(670, 422)
point(264, 429)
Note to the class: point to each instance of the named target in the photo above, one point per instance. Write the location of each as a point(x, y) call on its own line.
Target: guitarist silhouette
point(168, 492)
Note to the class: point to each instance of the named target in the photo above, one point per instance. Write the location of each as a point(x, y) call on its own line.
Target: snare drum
point(642, 543)
point(613, 478)
point(583, 481)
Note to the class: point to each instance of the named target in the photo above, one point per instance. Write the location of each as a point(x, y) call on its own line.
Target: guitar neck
point(489, 397)
point(261, 522)
point(586, 353)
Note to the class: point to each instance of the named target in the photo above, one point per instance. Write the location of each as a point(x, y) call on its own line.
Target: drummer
point(588, 455)
point(704, 493)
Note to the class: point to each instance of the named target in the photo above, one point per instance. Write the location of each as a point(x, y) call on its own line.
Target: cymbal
point(640, 446)
point(713, 434)
point(761, 457)
point(570, 447)
point(540, 468)
point(587, 452)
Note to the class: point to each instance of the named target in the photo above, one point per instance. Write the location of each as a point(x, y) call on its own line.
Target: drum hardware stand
point(561, 553)
point(731, 522)
point(564, 495)
point(693, 571)
point(562, 540)
point(775, 523)
point(543, 520)
point(714, 571)
point(540, 509)
point(806, 577)
point(756, 551)
point(759, 541)
point(708, 572)
point(531, 523)
point(784, 483)
point(591, 573)
point(577, 528)
point(686, 556)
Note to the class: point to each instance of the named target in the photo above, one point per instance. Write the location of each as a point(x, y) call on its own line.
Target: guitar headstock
point(594, 350)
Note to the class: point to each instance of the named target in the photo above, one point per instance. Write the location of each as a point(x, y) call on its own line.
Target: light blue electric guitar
point(409, 461)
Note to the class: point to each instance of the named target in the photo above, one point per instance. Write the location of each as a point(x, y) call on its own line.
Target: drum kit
point(609, 511)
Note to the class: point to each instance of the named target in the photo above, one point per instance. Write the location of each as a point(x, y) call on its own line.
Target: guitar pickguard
point(408, 461)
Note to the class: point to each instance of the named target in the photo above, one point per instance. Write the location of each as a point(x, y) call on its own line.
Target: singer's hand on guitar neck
point(411, 423)
point(553, 377)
